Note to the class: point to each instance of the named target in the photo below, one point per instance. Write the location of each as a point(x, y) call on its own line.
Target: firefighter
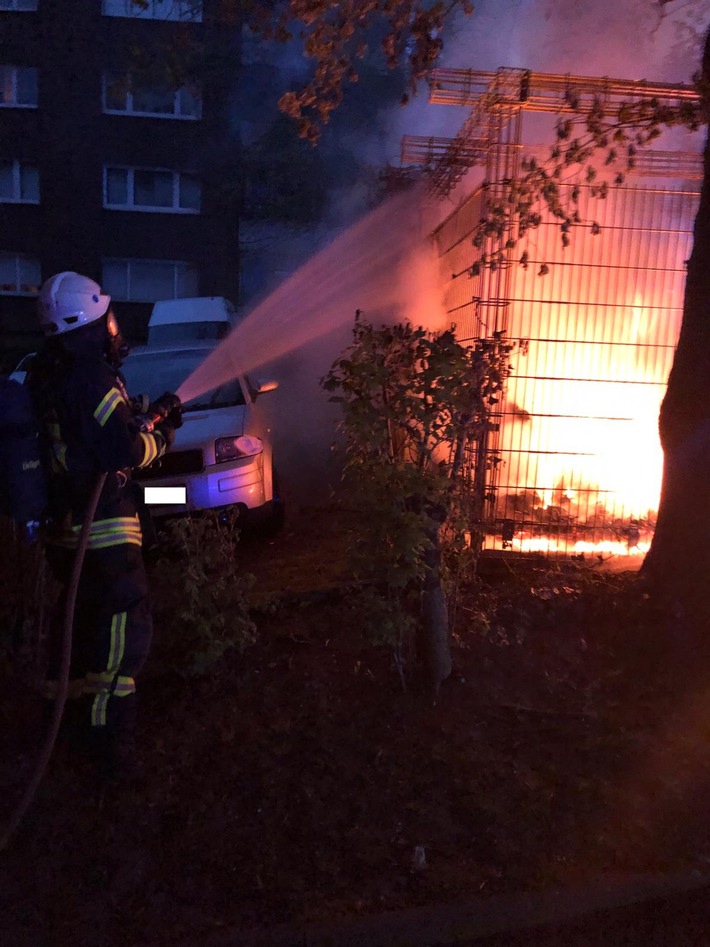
point(88, 426)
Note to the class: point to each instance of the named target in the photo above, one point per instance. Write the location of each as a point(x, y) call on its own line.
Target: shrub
point(416, 413)
point(202, 602)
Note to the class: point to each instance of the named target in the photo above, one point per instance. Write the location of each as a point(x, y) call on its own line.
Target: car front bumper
point(235, 483)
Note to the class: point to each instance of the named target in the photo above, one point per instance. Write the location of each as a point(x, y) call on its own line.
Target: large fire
point(578, 461)
point(575, 462)
point(595, 459)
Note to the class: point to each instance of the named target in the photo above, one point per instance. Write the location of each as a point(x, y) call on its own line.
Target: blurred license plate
point(170, 496)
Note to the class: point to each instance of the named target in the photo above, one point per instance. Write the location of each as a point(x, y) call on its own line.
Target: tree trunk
point(678, 563)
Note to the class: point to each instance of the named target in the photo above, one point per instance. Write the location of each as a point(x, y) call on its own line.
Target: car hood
point(201, 428)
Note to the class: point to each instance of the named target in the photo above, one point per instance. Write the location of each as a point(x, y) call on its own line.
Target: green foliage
point(414, 401)
point(416, 407)
point(202, 600)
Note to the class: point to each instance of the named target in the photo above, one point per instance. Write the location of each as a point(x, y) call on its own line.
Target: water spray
point(368, 266)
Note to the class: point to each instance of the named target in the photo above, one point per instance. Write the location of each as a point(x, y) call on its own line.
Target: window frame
point(14, 104)
point(17, 198)
point(185, 11)
point(18, 259)
point(128, 261)
point(131, 111)
point(130, 204)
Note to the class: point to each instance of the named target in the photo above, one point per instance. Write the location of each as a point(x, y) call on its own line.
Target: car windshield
point(152, 373)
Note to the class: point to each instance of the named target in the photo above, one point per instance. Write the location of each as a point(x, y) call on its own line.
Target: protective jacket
point(87, 426)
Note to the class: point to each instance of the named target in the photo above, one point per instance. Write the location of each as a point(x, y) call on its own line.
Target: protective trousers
point(112, 632)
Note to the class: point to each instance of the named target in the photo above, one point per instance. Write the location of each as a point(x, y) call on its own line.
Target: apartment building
point(108, 164)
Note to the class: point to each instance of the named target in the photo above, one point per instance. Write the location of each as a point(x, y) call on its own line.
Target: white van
point(197, 319)
point(222, 456)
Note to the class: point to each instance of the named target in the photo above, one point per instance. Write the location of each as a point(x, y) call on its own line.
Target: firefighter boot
point(116, 745)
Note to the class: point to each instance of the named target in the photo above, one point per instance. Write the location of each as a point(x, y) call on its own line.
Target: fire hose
point(63, 682)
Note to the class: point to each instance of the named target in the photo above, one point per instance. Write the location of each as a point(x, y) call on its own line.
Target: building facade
point(119, 155)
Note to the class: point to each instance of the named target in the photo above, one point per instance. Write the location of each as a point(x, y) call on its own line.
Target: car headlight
point(232, 448)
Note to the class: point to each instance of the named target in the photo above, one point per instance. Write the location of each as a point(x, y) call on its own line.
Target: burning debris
point(564, 529)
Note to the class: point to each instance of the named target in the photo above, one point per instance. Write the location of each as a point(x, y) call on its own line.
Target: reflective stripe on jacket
point(103, 533)
point(91, 428)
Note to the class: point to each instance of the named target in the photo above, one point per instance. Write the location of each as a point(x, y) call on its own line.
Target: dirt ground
point(299, 782)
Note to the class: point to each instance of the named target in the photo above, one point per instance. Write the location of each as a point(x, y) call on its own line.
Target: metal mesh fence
point(576, 457)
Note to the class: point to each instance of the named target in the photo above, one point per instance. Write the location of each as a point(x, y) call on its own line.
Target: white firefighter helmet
point(68, 301)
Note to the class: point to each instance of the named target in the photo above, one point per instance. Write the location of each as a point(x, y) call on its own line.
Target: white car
point(222, 455)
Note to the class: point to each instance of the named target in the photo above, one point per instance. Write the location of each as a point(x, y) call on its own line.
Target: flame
point(581, 547)
point(575, 449)
point(593, 436)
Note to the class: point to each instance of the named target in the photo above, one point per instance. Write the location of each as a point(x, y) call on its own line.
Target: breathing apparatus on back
point(23, 487)
point(68, 301)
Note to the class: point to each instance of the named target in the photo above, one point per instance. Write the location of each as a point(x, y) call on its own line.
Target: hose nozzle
point(167, 407)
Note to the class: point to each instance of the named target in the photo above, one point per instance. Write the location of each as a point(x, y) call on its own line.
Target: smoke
point(368, 267)
point(382, 266)
point(626, 39)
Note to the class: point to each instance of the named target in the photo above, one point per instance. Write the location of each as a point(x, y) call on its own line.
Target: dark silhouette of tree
point(678, 563)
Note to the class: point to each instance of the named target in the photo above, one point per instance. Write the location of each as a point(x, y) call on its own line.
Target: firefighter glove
point(169, 408)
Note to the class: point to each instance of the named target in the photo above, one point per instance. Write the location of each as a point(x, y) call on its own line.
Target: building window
point(185, 10)
point(23, 6)
point(18, 87)
point(19, 183)
point(151, 189)
point(147, 281)
point(131, 95)
point(19, 275)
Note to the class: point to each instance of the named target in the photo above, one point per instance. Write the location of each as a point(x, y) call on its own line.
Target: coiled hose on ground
point(63, 683)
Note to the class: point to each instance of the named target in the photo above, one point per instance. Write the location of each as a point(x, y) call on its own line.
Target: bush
point(417, 409)
point(201, 602)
